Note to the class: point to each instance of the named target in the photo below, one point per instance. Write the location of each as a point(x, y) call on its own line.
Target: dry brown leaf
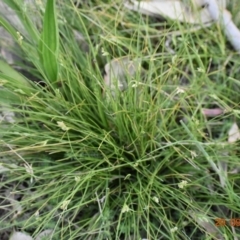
point(233, 133)
point(212, 112)
point(20, 236)
point(191, 11)
point(203, 221)
point(117, 72)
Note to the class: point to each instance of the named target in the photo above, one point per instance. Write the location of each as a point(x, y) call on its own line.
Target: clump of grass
point(123, 167)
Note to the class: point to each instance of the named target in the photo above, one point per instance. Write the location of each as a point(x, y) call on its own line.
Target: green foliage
point(94, 166)
point(49, 42)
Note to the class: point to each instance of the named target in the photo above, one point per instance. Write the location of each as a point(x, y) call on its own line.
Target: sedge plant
point(144, 163)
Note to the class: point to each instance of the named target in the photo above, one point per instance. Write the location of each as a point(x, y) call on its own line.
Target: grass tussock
point(144, 163)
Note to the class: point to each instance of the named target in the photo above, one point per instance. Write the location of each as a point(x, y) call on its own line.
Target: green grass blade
point(11, 73)
point(14, 85)
point(9, 97)
point(49, 43)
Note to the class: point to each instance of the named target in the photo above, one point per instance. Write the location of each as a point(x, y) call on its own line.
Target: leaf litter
point(117, 72)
